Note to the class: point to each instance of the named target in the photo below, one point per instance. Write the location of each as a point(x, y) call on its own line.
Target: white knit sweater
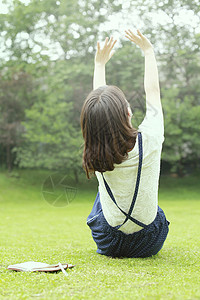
point(122, 179)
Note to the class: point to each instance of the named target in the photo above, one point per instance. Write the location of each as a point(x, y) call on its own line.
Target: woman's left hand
point(103, 55)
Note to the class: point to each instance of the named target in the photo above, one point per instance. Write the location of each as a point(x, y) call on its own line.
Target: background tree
point(52, 135)
point(15, 96)
point(177, 48)
point(52, 43)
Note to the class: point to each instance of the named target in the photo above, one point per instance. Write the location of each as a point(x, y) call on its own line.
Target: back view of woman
point(125, 220)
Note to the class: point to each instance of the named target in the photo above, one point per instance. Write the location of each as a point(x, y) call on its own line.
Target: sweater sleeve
point(153, 123)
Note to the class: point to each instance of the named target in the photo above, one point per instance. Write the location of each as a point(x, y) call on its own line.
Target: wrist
point(99, 64)
point(148, 51)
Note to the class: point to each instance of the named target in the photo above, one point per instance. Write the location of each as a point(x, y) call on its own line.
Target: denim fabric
point(113, 242)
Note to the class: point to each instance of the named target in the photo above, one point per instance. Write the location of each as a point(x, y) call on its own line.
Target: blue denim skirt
point(115, 243)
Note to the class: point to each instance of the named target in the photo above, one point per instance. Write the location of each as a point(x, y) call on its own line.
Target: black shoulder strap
point(128, 215)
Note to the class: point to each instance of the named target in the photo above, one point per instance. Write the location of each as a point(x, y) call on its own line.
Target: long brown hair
point(106, 130)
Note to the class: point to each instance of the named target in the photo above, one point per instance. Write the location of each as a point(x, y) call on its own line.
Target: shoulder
point(152, 140)
point(152, 126)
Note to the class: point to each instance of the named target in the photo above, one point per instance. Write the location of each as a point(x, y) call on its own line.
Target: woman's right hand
point(139, 40)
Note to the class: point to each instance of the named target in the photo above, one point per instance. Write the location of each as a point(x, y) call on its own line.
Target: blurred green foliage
point(41, 95)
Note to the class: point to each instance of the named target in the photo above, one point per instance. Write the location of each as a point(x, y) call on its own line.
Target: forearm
point(99, 78)
point(151, 80)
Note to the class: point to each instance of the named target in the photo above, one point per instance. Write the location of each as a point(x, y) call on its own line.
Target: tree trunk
point(180, 169)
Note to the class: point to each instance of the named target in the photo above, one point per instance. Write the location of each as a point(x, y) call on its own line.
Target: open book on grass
point(33, 266)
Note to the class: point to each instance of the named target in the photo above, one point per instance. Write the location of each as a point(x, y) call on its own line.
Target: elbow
point(152, 89)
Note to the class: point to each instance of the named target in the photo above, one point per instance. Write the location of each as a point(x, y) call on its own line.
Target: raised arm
point(101, 58)
point(153, 123)
point(151, 80)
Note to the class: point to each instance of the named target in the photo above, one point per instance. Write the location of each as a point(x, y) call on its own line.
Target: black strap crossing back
point(128, 215)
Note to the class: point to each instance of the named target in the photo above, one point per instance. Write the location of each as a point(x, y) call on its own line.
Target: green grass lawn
point(32, 229)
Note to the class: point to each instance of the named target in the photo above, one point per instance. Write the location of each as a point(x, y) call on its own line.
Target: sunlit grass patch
point(32, 229)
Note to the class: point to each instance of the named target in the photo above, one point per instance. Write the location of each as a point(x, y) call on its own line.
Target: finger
point(129, 38)
point(131, 35)
point(98, 46)
point(139, 33)
point(112, 53)
point(128, 33)
point(113, 44)
point(106, 42)
point(110, 41)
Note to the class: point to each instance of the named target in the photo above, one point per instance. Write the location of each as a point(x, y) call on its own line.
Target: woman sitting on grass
point(125, 220)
